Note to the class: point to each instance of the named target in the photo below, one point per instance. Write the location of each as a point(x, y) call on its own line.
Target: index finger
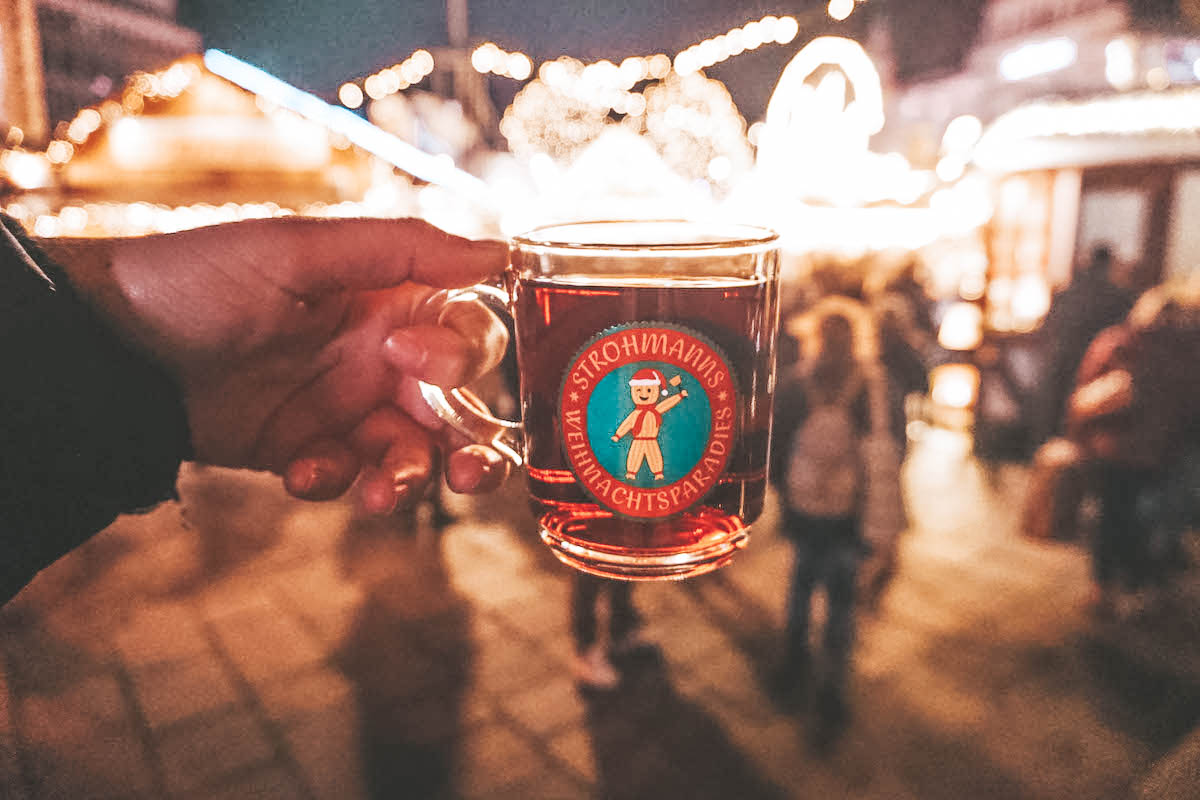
point(327, 254)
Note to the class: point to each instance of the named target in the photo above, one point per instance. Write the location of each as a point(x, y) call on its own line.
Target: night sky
point(317, 44)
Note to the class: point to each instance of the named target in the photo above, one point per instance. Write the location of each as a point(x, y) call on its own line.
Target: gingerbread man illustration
point(645, 421)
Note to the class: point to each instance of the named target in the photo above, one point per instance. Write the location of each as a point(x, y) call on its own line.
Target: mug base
point(712, 538)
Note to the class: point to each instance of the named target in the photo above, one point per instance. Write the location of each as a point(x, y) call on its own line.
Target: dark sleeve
point(791, 407)
point(88, 428)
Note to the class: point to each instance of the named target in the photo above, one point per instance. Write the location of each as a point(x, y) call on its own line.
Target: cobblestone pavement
point(240, 644)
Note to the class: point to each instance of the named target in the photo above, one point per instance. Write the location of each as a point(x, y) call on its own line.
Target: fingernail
point(307, 477)
point(474, 467)
point(406, 350)
point(475, 473)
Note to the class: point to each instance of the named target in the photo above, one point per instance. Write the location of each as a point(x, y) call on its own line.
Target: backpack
point(824, 475)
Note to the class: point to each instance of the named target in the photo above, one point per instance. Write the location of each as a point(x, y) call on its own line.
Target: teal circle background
point(682, 438)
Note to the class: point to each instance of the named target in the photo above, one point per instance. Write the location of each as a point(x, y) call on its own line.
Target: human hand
point(298, 343)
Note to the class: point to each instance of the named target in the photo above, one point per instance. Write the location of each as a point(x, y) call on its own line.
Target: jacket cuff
point(90, 428)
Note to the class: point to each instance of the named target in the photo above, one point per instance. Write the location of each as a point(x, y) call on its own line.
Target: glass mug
point(646, 353)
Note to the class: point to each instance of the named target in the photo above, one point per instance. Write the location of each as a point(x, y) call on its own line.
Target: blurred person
point(287, 345)
point(823, 413)
point(907, 338)
point(902, 351)
point(904, 354)
point(1088, 305)
point(1167, 325)
point(592, 665)
point(900, 288)
point(1135, 417)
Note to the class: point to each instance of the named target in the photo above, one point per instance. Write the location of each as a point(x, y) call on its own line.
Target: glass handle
point(460, 408)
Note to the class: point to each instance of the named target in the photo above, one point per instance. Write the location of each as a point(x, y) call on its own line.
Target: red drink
point(646, 351)
point(715, 338)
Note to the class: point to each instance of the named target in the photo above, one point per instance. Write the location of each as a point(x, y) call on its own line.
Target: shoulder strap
point(854, 385)
point(877, 399)
point(843, 398)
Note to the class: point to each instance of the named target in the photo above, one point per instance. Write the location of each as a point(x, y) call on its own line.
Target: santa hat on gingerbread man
point(649, 377)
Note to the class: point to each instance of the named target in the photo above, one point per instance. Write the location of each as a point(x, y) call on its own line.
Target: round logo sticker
point(648, 412)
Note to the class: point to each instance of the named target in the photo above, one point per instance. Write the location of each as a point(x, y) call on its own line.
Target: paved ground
point(266, 648)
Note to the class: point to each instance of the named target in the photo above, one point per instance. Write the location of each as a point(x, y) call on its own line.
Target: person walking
point(823, 416)
point(1088, 305)
point(1134, 417)
point(592, 665)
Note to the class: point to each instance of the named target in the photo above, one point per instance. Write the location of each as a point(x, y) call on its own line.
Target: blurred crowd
point(1101, 401)
point(1108, 422)
point(1120, 432)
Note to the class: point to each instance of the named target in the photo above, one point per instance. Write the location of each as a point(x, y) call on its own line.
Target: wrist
point(88, 267)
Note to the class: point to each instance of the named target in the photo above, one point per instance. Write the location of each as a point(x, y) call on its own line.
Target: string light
point(388, 81)
point(519, 66)
point(59, 151)
point(350, 95)
point(840, 10)
point(693, 121)
point(690, 120)
point(141, 87)
point(559, 112)
point(84, 124)
point(489, 57)
point(750, 36)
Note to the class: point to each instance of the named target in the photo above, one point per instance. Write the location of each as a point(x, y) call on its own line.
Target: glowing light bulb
point(633, 69)
point(411, 71)
point(752, 35)
point(392, 80)
point(1120, 64)
point(685, 63)
point(350, 95)
point(735, 41)
point(484, 57)
point(841, 9)
point(519, 66)
point(659, 65)
point(375, 88)
point(786, 30)
point(720, 168)
point(59, 151)
point(423, 60)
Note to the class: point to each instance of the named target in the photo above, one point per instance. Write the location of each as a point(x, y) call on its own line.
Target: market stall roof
point(392, 149)
point(1112, 129)
point(214, 129)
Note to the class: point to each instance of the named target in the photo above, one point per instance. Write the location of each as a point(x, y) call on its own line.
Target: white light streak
point(362, 133)
point(1038, 58)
